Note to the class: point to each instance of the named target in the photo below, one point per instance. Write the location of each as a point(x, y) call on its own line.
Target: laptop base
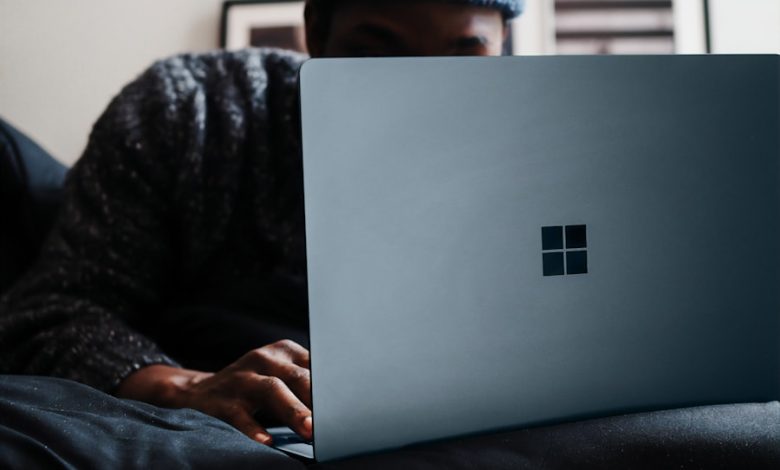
point(286, 440)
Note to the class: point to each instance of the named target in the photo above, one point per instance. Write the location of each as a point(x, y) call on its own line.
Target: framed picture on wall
point(263, 23)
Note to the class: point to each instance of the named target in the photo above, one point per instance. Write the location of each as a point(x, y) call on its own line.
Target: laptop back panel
point(430, 183)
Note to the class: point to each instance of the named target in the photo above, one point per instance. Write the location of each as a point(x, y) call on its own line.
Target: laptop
point(496, 243)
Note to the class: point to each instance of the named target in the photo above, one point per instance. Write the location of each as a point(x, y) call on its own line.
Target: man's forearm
point(160, 385)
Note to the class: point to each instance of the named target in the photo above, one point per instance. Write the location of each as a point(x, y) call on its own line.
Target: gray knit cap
point(509, 8)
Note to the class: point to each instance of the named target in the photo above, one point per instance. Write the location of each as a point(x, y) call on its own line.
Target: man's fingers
point(272, 393)
point(297, 353)
point(241, 420)
point(298, 379)
point(284, 351)
point(279, 384)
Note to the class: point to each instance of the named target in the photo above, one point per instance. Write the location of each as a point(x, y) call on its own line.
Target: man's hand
point(272, 381)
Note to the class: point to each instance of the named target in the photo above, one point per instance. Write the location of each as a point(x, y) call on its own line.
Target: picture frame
point(262, 23)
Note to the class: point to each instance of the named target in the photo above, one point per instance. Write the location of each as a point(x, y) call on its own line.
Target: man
point(180, 251)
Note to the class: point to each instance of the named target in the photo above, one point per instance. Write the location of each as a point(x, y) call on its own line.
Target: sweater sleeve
point(107, 261)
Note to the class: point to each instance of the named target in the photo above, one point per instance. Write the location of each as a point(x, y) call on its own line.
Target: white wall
point(745, 26)
point(690, 35)
point(62, 61)
point(534, 30)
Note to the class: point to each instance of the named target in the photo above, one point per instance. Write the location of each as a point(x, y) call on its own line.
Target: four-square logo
point(564, 250)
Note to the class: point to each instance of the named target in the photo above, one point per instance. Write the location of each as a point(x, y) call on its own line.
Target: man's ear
point(316, 31)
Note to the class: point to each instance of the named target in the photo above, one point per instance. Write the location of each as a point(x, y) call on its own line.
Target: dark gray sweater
point(189, 193)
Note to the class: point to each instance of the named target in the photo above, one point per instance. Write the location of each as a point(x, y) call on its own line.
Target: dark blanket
point(54, 423)
point(745, 436)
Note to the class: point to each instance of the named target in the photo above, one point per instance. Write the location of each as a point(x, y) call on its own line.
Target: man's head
point(359, 28)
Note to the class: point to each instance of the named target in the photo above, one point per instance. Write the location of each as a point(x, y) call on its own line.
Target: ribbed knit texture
point(189, 192)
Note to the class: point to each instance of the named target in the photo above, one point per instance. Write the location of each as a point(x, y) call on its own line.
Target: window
point(614, 27)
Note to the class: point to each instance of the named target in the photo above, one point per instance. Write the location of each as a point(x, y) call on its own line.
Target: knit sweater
point(189, 192)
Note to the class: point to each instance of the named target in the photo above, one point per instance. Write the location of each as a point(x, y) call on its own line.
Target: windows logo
point(564, 250)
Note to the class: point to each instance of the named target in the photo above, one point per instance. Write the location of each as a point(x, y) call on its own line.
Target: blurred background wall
point(62, 61)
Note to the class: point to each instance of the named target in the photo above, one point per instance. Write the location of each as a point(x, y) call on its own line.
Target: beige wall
point(61, 61)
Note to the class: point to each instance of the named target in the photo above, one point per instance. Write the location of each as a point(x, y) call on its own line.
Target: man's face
point(383, 28)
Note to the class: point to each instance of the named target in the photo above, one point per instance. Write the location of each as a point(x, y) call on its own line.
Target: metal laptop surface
point(429, 183)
